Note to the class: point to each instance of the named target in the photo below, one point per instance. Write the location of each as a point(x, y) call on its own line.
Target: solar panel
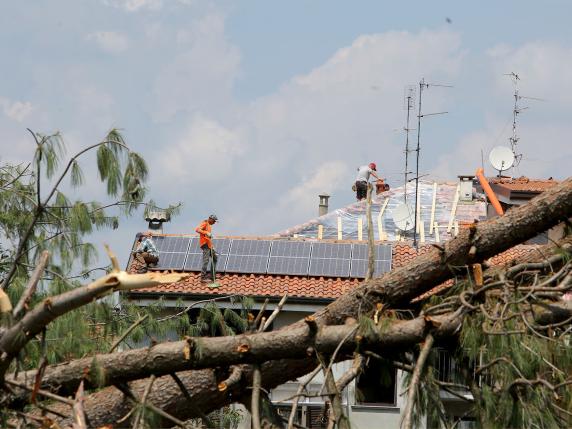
point(171, 261)
point(382, 252)
point(331, 250)
point(289, 257)
point(330, 260)
point(250, 247)
point(246, 264)
point(329, 267)
point(172, 251)
point(294, 249)
point(248, 256)
point(286, 265)
point(171, 244)
point(359, 268)
point(360, 260)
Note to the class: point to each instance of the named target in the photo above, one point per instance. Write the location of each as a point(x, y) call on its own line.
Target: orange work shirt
point(203, 229)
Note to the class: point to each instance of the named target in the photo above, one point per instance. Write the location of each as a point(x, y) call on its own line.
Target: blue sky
point(251, 108)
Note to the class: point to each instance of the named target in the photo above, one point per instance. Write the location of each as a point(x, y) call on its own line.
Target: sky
point(250, 109)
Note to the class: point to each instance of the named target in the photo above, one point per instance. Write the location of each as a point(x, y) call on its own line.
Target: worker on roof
point(362, 179)
point(206, 244)
point(146, 253)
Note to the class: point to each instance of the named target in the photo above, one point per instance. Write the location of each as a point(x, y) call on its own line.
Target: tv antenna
point(514, 138)
point(409, 102)
point(422, 86)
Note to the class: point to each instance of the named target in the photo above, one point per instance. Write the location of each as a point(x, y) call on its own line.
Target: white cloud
point(139, 5)
point(16, 110)
point(379, 58)
point(206, 152)
point(542, 66)
point(201, 77)
point(110, 41)
point(135, 5)
point(301, 200)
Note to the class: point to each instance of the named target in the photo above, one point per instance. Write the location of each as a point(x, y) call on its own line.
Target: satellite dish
point(403, 217)
point(501, 158)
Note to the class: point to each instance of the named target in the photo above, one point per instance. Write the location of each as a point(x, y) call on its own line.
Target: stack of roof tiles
point(523, 184)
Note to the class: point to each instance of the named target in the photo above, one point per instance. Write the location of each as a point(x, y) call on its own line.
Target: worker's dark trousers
point(361, 190)
point(205, 272)
point(146, 259)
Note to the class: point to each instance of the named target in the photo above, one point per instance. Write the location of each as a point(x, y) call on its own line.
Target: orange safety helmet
point(373, 166)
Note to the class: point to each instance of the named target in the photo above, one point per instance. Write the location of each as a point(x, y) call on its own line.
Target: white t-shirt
point(363, 173)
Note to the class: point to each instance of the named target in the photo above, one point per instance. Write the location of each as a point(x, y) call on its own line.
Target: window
point(317, 417)
point(377, 384)
point(309, 416)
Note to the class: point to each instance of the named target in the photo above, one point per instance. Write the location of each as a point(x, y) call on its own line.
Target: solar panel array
point(300, 258)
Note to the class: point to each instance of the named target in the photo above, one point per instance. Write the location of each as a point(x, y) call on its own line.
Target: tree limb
point(32, 284)
point(415, 380)
point(16, 337)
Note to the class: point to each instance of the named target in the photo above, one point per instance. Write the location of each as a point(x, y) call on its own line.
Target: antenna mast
point(409, 101)
point(422, 85)
point(515, 112)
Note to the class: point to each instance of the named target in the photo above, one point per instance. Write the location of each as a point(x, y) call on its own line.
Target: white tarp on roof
point(349, 216)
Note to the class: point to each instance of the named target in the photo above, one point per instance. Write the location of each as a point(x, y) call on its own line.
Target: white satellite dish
point(501, 158)
point(403, 217)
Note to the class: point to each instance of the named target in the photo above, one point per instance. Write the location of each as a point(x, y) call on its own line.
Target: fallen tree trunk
point(295, 343)
point(397, 287)
point(202, 384)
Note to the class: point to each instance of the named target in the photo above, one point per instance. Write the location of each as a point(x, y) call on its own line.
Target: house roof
point(519, 190)
point(304, 287)
point(438, 201)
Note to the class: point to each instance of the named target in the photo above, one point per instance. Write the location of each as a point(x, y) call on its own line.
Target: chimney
point(156, 218)
point(323, 207)
point(466, 188)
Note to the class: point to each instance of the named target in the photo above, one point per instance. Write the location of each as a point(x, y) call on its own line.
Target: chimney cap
point(158, 216)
